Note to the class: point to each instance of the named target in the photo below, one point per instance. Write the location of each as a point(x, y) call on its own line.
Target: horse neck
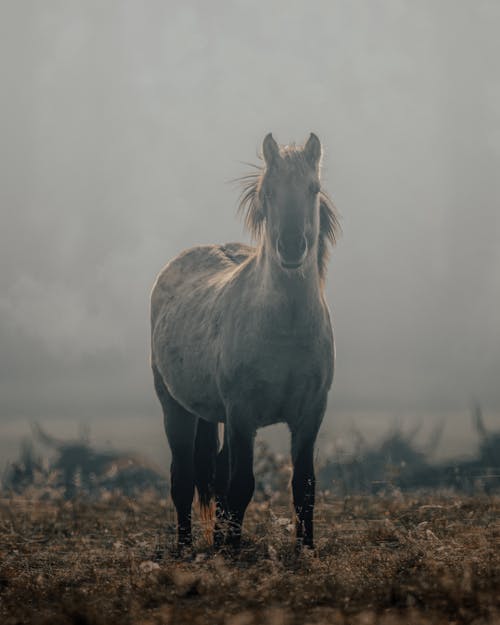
point(301, 290)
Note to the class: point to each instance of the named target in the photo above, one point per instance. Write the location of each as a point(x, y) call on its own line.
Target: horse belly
point(186, 361)
point(197, 393)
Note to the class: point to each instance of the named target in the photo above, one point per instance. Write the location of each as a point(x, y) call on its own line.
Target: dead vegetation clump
point(405, 559)
point(397, 463)
point(77, 468)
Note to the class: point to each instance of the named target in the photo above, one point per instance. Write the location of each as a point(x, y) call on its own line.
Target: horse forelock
point(250, 203)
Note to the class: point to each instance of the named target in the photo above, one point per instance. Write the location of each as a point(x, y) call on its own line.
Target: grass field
point(405, 559)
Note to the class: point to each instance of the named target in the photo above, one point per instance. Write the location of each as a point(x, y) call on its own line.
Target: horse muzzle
point(291, 250)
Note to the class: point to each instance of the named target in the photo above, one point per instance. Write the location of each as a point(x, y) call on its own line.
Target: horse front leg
point(180, 428)
point(240, 441)
point(304, 481)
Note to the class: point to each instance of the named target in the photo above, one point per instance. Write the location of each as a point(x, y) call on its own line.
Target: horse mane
point(254, 219)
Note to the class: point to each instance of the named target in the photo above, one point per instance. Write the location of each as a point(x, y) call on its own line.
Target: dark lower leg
point(182, 488)
point(180, 427)
point(221, 487)
point(238, 500)
point(303, 486)
point(241, 481)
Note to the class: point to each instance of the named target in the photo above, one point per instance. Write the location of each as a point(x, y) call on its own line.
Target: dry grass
point(412, 559)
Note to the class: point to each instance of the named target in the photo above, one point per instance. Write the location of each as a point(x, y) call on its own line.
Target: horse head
point(286, 207)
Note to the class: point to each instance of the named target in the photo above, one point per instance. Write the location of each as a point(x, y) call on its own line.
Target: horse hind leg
point(221, 487)
point(205, 457)
point(211, 479)
point(180, 427)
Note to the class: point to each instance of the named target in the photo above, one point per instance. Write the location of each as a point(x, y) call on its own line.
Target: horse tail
point(206, 447)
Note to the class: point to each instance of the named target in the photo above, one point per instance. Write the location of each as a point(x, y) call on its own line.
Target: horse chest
point(275, 373)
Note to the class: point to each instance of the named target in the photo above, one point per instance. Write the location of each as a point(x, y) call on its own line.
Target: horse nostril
point(292, 247)
point(302, 244)
point(280, 247)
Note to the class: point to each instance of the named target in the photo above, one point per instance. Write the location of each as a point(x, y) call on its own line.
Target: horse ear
point(270, 149)
point(312, 150)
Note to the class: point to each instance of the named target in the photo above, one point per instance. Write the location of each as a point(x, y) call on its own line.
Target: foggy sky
point(123, 122)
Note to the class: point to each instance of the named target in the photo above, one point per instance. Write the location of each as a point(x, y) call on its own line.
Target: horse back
point(194, 268)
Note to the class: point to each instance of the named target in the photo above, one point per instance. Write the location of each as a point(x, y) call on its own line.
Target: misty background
point(122, 124)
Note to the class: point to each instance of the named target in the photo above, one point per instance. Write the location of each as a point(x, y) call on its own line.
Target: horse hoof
point(219, 540)
point(302, 546)
point(186, 554)
point(231, 549)
point(158, 555)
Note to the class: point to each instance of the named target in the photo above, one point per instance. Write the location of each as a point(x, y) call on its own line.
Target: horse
point(241, 335)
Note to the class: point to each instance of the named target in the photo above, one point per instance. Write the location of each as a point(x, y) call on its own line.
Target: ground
point(389, 560)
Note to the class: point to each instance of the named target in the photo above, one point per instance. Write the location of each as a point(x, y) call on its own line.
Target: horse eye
point(314, 188)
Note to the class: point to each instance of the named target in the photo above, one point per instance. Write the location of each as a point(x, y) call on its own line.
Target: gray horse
point(242, 336)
